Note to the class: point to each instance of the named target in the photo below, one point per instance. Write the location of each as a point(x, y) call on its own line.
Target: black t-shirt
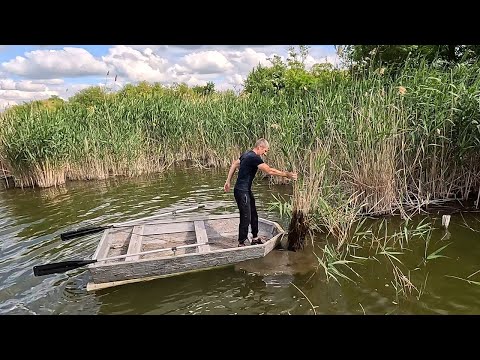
point(248, 169)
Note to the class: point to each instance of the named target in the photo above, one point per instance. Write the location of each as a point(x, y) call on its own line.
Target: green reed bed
point(365, 144)
point(398, 145)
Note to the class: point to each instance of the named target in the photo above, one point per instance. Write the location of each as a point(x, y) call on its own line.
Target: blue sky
point(40, 71)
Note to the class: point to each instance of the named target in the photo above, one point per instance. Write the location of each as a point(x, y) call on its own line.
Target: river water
point(283, 282)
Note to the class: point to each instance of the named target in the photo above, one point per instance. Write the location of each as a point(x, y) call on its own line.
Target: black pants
point(248, 214)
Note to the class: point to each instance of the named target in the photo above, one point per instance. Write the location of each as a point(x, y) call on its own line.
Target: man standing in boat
point(248, 163)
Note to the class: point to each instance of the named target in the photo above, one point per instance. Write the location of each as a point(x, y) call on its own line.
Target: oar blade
point(82, 232)
point(60, 267)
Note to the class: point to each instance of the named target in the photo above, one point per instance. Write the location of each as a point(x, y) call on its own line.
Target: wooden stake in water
point(445, 221)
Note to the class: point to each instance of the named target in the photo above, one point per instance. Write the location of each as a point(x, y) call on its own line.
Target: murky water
point(281, 283)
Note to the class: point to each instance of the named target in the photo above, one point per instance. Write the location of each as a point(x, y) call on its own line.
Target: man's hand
point(292, 175)
point(226, 187)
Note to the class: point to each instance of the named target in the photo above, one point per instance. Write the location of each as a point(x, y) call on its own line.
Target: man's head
point(261, 146)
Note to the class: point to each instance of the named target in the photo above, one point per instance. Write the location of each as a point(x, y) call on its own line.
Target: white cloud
point(48, 81)
point(235, 79)
point(194, 81)
point(68, 90)
point(207, 62)
point(18, 95)
point(46, 64)
point(144, 64)
point(136, 65)
point(156, 48)
point(179, 69)
point(24, 85)
point(7, 84)
point(6, 103)
point(27, 85)
point(332, 59)
point(16, 92)
point(247, 59)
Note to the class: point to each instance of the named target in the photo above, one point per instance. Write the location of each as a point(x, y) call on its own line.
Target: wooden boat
point(157, 248)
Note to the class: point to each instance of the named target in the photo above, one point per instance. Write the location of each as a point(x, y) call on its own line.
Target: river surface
point(283, 282)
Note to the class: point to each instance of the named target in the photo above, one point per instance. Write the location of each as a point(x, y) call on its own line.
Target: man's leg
point(253, 216)
point(243, 202)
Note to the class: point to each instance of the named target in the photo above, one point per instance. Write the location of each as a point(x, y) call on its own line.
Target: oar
point(63, 266)
point(92, 230)
point(60, 267)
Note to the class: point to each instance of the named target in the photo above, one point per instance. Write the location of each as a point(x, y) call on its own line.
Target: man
point(248, 163)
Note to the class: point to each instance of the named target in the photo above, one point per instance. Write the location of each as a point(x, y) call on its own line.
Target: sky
point(37, 72)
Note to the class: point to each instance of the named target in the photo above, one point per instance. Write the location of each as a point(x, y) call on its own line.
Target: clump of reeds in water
point(306, 191)
point(297, 230)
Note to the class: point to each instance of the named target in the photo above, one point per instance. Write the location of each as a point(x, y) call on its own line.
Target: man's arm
point(272, 171)
point(233, 167)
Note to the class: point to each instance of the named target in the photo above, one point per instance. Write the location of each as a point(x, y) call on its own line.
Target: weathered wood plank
point(172, 265)
point(169, 228)
point(275, 227)
point(91, 286)
point(269, 222)
point(207, 218)
point(135, 245)
point(272, 243)
point(119, 237)
point(233, 234)
point(162, 239)
point(214, 235)
point(202, 238)
point(177, 219)
point(103, 245)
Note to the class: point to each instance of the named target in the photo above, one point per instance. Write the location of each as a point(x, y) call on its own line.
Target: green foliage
point(395, 56)
point(284, 207)
point(291, 77)
point(267, 80)
point(141, 90)
point(207, 89)
point(182, 89)
point(91, 96)
point(52, 103)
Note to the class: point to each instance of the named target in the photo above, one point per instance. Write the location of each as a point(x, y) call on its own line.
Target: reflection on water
point(32, 220)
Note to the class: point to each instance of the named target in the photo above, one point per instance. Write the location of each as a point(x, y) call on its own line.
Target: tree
point(289, 76)
point(182, 88)
point(204, 90)
point(397, 55)
point(267, 80)
point(209, 88)
point(53, 102)
point(296, 60)
point(90, 96)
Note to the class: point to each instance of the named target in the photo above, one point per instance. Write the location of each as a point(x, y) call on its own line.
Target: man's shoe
point(257, 241)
